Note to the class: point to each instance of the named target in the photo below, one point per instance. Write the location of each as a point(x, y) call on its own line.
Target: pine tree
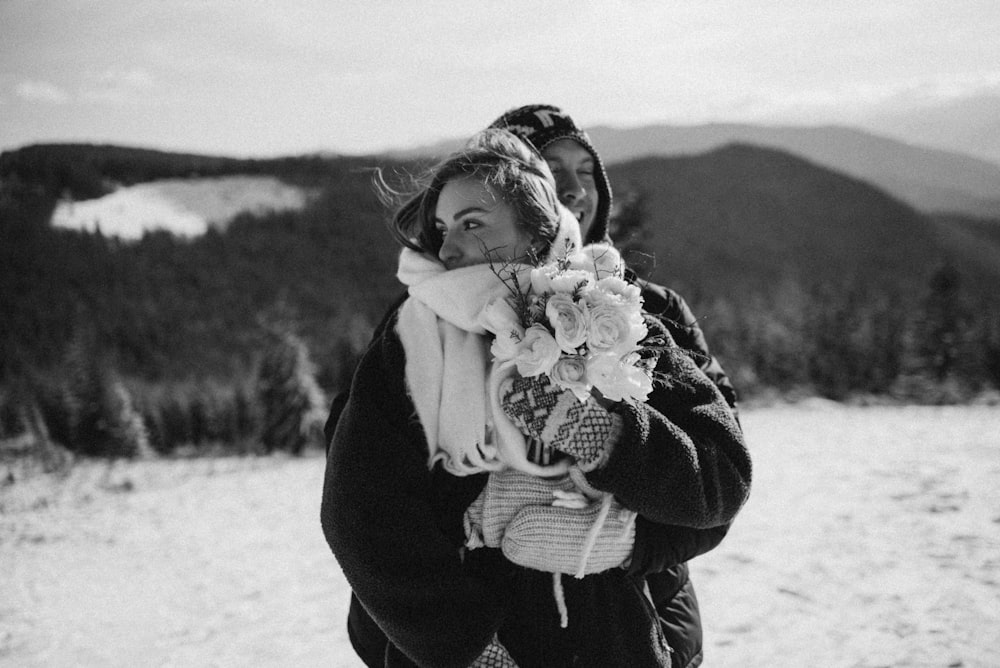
point(96, 415)
point(292, 403)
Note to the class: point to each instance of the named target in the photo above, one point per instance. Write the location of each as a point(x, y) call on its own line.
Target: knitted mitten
point(494, 656)
point(505, 494)
point(554, 415)
point(571, 540)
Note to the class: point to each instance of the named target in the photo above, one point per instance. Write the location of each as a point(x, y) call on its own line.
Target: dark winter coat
point(661, 550)
point(538, 125)
point(396, 528)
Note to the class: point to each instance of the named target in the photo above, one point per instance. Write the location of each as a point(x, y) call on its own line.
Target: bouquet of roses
point(578, 322)
point(566, 333)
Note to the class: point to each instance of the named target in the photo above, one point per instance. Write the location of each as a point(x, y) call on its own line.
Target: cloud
point(41, 91)
point(116, 86)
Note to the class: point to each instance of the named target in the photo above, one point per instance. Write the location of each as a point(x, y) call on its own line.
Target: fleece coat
point(660, 550)
point(396, 527)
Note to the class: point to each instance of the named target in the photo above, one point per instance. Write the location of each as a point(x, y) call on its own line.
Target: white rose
point(499, 316)
point(637, 382)
point(569, 321)
point(541, 278)
point(571, 281)
point(570, 372)
point(613, 329)
point(507, 345)
point(600, 260)
point(617, 380)
point(537, 353)
point(616, 290)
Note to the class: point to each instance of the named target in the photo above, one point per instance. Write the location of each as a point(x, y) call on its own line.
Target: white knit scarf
point(448, 371)
point(447, 358)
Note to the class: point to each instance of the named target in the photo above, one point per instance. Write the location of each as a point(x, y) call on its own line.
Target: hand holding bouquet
point(575, 332)
point(579, 323)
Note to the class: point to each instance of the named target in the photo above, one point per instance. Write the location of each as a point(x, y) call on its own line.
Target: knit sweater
point(396, 528)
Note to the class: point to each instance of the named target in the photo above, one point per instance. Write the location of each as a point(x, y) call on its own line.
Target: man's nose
point(570, 188)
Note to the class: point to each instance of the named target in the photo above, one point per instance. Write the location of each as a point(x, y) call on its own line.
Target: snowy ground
point(872, 539)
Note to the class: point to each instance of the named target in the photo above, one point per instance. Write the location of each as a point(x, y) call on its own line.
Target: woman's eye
point(471, 224)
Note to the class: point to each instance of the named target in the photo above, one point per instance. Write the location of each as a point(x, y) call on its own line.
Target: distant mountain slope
point(930, 180)
point(742, 218)
point(88, 171)
point(969, 125)
point(730, 228)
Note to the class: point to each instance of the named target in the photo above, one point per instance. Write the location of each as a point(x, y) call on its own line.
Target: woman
point(415, 448)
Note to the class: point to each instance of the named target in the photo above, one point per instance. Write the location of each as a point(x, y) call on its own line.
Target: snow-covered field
point(872, 539)
point(186, 207)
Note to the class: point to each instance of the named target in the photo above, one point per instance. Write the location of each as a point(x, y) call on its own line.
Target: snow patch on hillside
point(186, 207)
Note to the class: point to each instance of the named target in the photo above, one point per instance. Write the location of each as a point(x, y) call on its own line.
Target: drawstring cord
point(560, 596)
point(592, 494)
point(588, 547)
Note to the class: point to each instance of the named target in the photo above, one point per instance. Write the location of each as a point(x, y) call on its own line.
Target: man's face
point(573, 168)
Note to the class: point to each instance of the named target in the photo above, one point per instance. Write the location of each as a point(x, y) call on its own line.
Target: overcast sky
point(259, 78)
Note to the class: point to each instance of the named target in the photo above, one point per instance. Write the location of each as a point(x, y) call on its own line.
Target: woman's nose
point(450, 251)
point(570, 188)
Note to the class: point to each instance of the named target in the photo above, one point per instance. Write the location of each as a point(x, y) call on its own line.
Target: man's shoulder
point(662, 301)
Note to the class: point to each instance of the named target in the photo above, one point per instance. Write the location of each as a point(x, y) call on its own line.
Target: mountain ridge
point(761, 243)
point(931, 179)
point(768, 215)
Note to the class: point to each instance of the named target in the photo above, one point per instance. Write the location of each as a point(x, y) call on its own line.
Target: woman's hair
point(513, 171)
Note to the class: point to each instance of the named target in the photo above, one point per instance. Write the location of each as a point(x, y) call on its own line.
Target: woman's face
point(476, 225)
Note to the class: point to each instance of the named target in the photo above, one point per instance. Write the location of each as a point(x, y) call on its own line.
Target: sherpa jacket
point(660, 550)
point(396, 528)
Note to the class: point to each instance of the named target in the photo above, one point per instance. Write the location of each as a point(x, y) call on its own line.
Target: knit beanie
point(538, 125)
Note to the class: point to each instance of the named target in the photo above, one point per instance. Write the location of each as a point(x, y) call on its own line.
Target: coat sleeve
point(379, 519)
point(683, 326)
point(659, 547)
point(681, 459)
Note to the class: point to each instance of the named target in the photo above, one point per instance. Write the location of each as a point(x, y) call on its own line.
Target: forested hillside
point(165, 307)
point(743, 219)
point(804, 280)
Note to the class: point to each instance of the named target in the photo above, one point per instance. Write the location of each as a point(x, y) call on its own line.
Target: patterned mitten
point(541, 409)
point(569, 540)
point(506, 493)
point(494, 656)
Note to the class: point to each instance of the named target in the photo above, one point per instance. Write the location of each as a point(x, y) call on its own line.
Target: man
point(582, 186)
point(661, 551)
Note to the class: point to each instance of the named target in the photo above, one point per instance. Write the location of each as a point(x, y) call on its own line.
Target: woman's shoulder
point(391, 314)
point(383, 362)
point(385, 339)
